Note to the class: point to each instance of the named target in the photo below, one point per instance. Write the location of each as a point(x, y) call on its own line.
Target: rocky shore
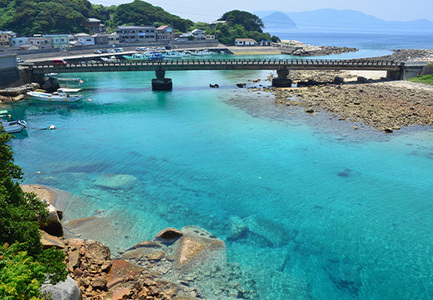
point(408, 55)
point(16, 93)
point(189, 263)
point(297, 48)
point(363, 98)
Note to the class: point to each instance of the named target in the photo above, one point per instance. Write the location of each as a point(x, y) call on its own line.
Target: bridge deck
point(219, 64)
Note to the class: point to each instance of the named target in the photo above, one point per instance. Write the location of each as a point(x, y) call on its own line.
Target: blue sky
point(202, 10)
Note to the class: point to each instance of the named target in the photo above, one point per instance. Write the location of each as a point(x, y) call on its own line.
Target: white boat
point(111, 59)
point(62, 95)
point(136, 56)
point(202, 53)
point(173, 54)
point(12, 126)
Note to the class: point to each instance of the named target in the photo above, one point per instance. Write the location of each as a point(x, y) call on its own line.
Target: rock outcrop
point(65, 290)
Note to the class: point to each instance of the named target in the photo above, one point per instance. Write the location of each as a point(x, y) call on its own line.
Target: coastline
point(156, 257)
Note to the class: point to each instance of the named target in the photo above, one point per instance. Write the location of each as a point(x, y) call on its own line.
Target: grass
point(428, 79)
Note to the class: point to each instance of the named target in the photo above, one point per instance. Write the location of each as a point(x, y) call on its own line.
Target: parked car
point(59, 62)
point(97, 51)
point(19, 60)
point(118, 49)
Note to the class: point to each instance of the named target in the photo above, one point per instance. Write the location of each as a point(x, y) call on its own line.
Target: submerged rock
point(116, 181)
point(198, 247)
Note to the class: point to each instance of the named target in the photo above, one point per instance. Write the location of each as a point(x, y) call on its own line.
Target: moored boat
point(62, 95)
point(202, 53)
point(12, 126)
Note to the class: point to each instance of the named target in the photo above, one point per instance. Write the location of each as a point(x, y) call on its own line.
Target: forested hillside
point(28, 17)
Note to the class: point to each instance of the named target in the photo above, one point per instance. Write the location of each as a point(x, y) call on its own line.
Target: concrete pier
point(160, 83)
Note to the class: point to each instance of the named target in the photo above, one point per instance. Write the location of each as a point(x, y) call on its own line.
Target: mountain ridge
point(333, 20)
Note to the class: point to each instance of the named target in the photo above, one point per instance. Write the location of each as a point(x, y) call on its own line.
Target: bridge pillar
point(160, 83)
point(282, 80)
point(395, 75)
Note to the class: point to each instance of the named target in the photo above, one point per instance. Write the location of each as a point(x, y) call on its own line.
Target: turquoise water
point(339, 213)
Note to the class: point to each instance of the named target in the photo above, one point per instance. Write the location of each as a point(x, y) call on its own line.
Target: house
point(5, 38)
point(213, 24)
point(58, 40)
point(113, 38)
point(164, 33)
point(265, 43)
point(198, 34)
point(40, 41)
point(95, 26)
point(136, 34)
point(18, 41)
point(245, 42)
point(85, 39)
point(100, 39)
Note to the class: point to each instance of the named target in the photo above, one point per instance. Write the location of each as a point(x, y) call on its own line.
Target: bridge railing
point(250, 62)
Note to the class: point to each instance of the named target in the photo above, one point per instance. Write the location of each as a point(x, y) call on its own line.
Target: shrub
point(24, 265)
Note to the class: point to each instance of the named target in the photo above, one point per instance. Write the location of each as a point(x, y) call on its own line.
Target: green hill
point(28, 17)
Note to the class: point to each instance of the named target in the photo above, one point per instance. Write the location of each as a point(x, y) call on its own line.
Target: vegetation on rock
point(141, 13)
point(24, 264)
point(239, 24)
point(427, 79)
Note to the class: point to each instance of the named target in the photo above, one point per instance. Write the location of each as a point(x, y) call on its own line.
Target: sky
point(206, 11)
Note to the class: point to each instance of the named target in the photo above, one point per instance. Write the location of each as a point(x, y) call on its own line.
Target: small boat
point(202, 53)
point(73, 80)
point(111, 59)
point(173, 54)
point(135, 56)
point(156, 56)
point(62, 95)
point(12, 126)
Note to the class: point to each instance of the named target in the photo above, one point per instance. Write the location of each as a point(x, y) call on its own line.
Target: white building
point(85, 39)
point(198, 34)
point(136, 34)
point(245, 42)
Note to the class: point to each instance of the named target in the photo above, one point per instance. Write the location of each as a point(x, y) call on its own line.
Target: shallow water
point(346, 212)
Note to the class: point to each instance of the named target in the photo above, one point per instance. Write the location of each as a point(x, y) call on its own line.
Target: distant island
point(333, 20)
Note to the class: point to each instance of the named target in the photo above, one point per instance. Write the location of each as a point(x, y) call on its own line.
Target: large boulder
point(96, 252)
point(199, 248)
point(65, 290)
point(49, 241)
point(51, 85)
point(53, 225)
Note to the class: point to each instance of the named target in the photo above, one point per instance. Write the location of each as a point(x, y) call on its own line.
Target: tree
point(22, 264)
point(248, 20)
point(141, 13)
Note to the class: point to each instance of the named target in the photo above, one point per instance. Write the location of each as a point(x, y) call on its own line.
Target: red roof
point(162, 27)
point(245, 40)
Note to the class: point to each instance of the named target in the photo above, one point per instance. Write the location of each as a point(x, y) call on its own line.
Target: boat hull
point(45, 97)
point(13, 126)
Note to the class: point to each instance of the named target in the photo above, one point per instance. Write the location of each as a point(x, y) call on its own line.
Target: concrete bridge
point(395, 70)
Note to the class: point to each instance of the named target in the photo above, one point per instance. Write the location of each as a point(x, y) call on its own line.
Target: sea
point(308, 207)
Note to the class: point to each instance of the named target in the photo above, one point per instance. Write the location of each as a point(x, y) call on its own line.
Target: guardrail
point(216, 64)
